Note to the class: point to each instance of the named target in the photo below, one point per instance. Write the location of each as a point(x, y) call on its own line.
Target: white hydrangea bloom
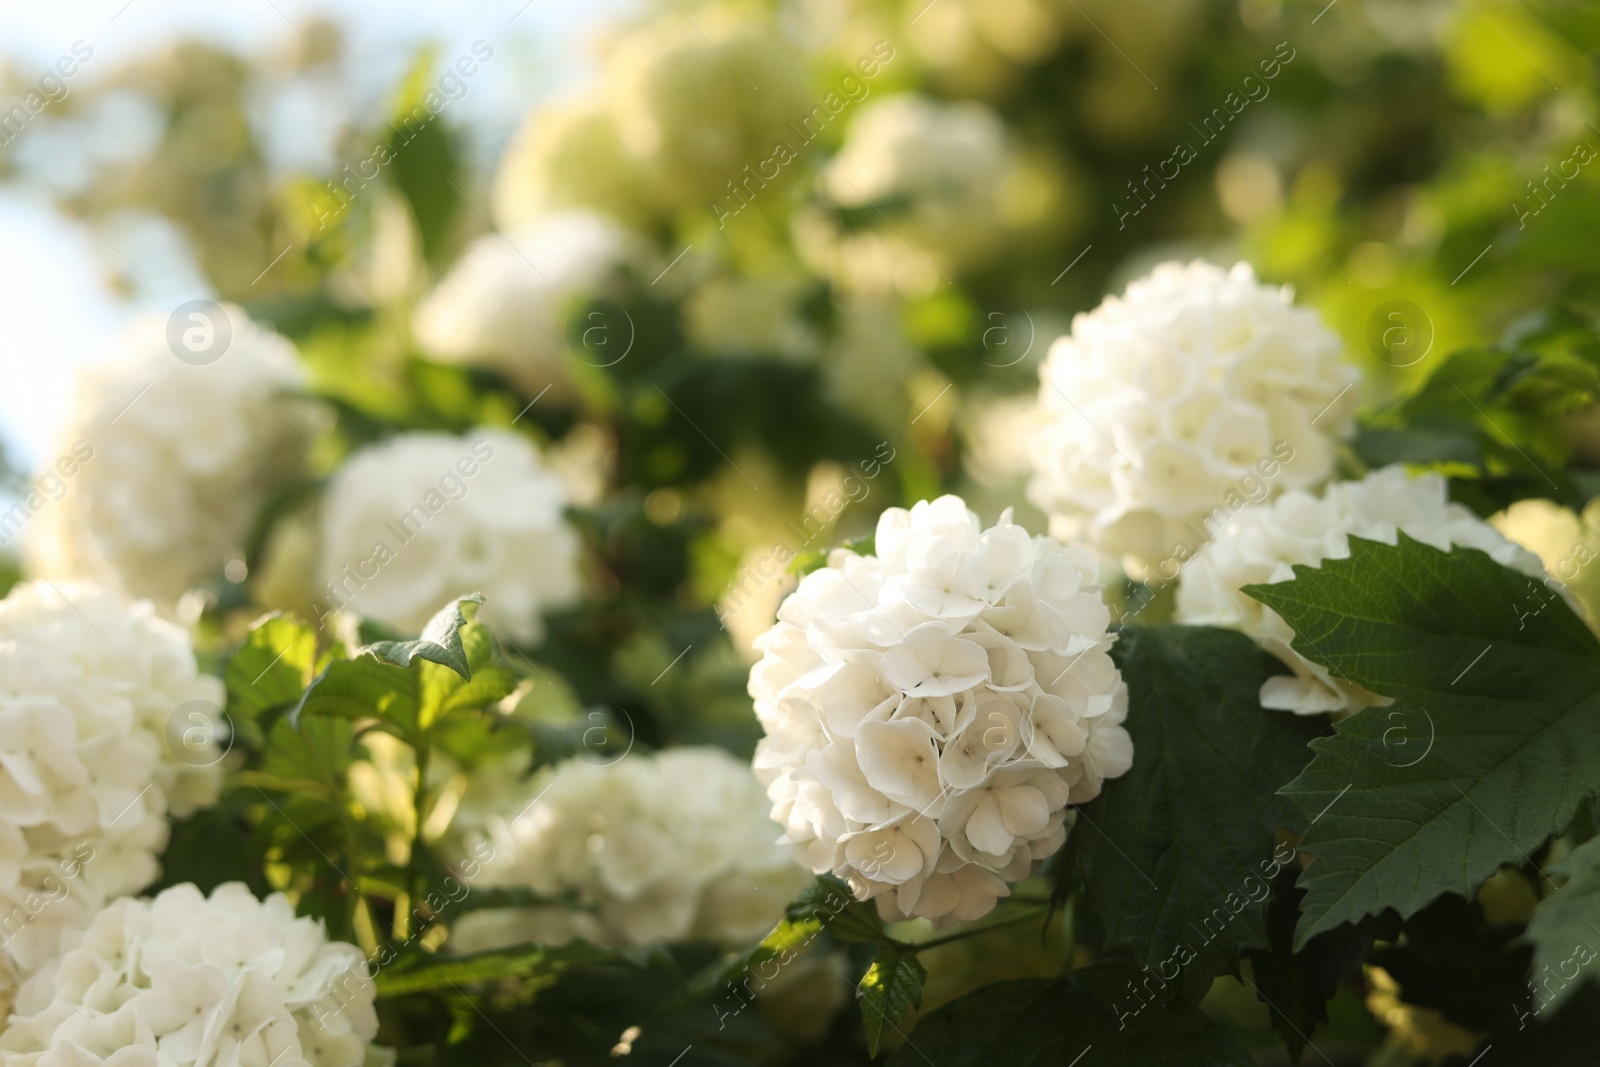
point(182, 454)
point(938, 165)
point(1167, 409)
point(105, 727)
point(1263, 543)
point(661, 847)
point(569, 154)
point(686, 102)
point(184, 979)
point(422, 518)
point(506, 302)
point(678, 122)
point(932, 710)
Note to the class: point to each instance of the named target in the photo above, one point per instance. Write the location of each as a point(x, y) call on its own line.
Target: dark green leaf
point(1177, 856)
point(1296, 986)
point(889, 991)
point(1091, 1018)
point(215, 845)
point(1499, 676)
point(1450, 959)
point(1563, 929)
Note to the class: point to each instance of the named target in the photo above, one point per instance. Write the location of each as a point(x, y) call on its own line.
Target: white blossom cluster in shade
point(184, 979)
point(931, 710)
point(1163, 402)
point(423, 518)
point(105, 727)
point(663, 847)
point(507, 301)
point(1264, 542)
point(183, 457)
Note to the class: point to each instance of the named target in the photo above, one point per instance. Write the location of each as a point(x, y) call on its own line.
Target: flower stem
point(1031, 912)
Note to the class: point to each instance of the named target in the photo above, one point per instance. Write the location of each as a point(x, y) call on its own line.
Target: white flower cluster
point(937, 169)
point(931, 710)
point(105, 727)
point(422, 518)
point(183, 979)
point(184, 453)
point(506, 303)
point(662, 848)
point(679, 122)
point(1264, 543)
point(1162, 403)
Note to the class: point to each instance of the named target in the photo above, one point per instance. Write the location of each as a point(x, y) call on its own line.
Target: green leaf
point(441, 640)
point(425, 973)
point(311, 759)
point(782, 944)
point(1565, 928)
point(1089, 1018)
point(824, 904)
point(412, 687)
point(271, 668)
point(1176, 856)
point(1491, 414)
point(359, 689)
point(889, 991)
point(423, 157)
point(1296, 986)
point(1487, 664)
point(216, 845)
point(1449, 958)
point(829, 902)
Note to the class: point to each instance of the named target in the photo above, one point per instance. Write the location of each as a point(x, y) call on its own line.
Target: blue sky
point(56, 306)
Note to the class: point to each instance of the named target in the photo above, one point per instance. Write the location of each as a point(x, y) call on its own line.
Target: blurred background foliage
point(1423, 151)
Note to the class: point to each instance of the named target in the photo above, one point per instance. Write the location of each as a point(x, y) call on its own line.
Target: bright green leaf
point(440, 642)
point(360, 689)
point(310, 759)
point(411, 687)
point(272, 668)
point(889, 991)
